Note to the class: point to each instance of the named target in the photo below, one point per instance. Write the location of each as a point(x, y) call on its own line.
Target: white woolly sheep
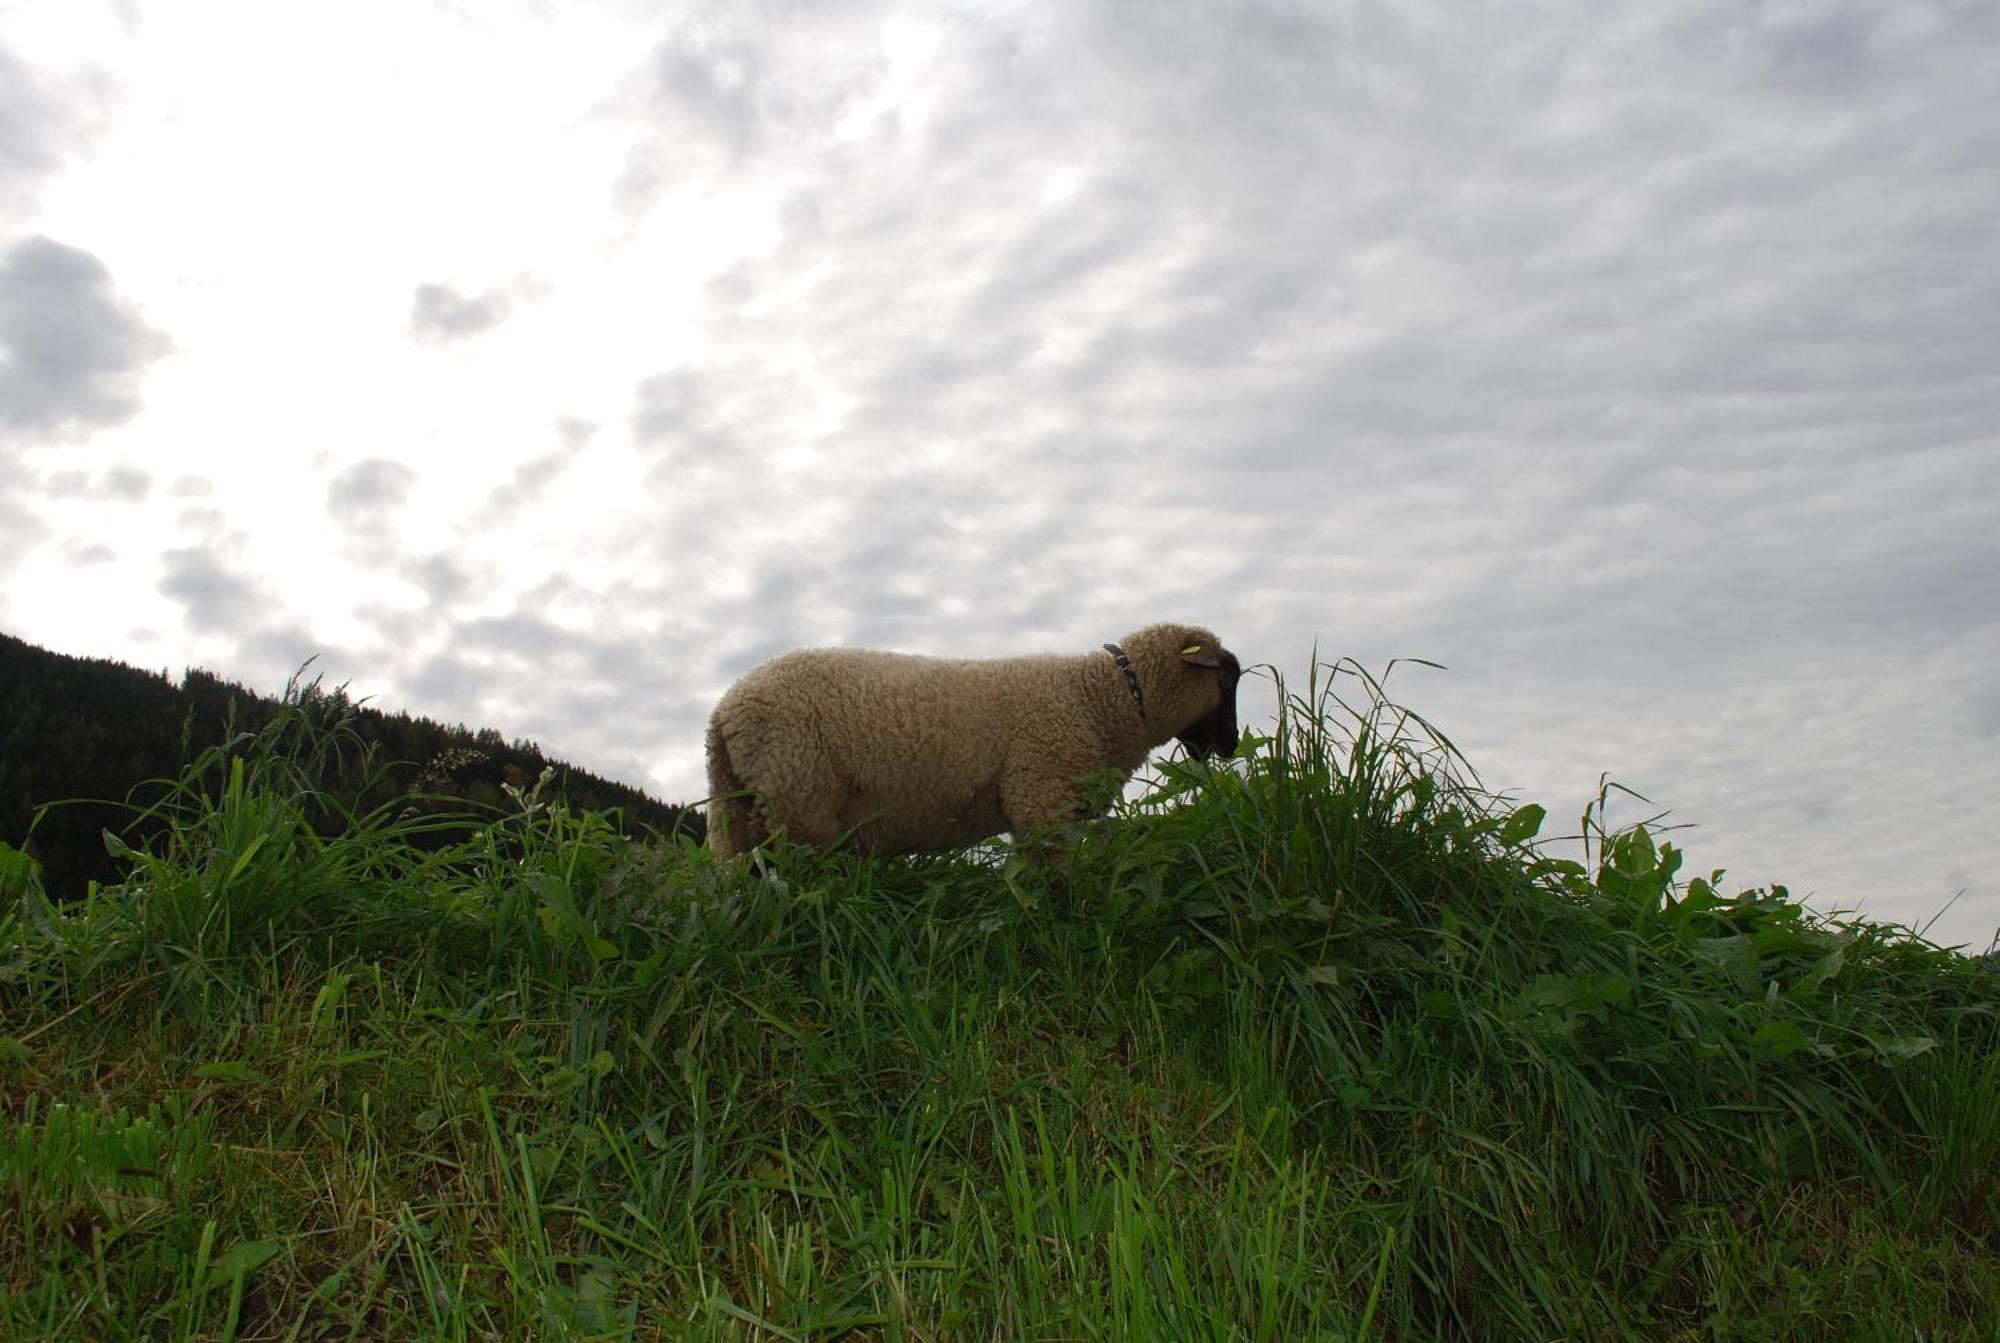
point(900, 753)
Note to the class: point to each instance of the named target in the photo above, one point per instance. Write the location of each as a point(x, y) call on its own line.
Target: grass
point(1324, 1046)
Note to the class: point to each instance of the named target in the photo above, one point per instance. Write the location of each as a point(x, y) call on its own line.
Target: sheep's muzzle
point(1214, 733)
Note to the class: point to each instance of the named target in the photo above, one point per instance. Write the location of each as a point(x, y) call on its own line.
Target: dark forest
point(90, 744)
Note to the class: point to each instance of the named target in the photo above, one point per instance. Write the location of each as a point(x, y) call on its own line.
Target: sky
point(545, 367)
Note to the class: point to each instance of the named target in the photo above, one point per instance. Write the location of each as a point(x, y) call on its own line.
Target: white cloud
point(441, 314)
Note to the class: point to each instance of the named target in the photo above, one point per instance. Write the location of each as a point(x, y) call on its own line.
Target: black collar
point(1131, 677)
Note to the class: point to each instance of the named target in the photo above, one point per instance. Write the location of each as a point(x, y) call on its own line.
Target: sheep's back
point(901, 720)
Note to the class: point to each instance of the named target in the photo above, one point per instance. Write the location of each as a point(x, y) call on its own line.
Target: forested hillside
point(89, 734)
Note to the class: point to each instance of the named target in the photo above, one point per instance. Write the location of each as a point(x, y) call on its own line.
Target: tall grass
point(1324, 1044)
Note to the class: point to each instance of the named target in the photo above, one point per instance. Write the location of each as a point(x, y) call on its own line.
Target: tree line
point(101, 741)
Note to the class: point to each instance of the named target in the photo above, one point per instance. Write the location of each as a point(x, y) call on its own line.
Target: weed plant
point(1324, 1044)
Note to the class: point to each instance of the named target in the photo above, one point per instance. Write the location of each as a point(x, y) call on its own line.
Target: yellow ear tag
point(1190, 650)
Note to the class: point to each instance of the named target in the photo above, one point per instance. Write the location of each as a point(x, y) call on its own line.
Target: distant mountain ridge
point(92, 728)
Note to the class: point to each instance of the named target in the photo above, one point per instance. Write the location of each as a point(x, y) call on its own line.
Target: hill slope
point(1324, 1047)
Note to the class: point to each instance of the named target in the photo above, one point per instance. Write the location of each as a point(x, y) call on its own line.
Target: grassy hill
point(1323, 1047)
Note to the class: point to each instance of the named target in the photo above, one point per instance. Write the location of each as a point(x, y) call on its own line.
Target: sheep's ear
point(1201, 655)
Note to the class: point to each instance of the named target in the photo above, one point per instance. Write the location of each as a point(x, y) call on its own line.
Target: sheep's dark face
point(1214, 733)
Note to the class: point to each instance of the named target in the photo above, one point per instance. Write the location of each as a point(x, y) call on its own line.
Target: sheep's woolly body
point(907, 752)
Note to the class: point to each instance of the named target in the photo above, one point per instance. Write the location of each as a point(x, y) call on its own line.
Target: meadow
point(1329, 1044)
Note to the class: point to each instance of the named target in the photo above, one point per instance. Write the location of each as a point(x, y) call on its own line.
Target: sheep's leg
point(761, 786)
point(736, 818)
point(735, 825)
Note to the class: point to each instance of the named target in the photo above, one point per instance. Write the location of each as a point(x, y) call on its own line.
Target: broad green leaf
point(1700, 897)
point(1778, 940)
point(1523, 825)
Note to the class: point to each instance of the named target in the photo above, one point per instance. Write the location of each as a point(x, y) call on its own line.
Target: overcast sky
point(545, 367)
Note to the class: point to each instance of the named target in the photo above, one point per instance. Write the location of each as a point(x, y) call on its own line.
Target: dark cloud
point(214, 599)
point(448, 686)
point(365, 500)
point(1983, 711)
point(547, 671)
point(442, 579)
point(220, 602)
point(440, 314)
point(283, 648)
point(72, 352)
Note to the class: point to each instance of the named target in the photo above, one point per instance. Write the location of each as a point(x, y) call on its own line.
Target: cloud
point(123, 483)
point(1633, 250)
point(545, 669)
point(442, 579)
point(369, 488)
point(215, 600)
point(41, 118)
point(269, 643)
point(731, 88)
point(26, 113)
point(533, 477)
point(21, 530)
point(364, 499)
point(86, 555)
point(71, 351)
point(440, 314)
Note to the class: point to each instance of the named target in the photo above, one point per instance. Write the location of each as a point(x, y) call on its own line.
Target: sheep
point(899, 753)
